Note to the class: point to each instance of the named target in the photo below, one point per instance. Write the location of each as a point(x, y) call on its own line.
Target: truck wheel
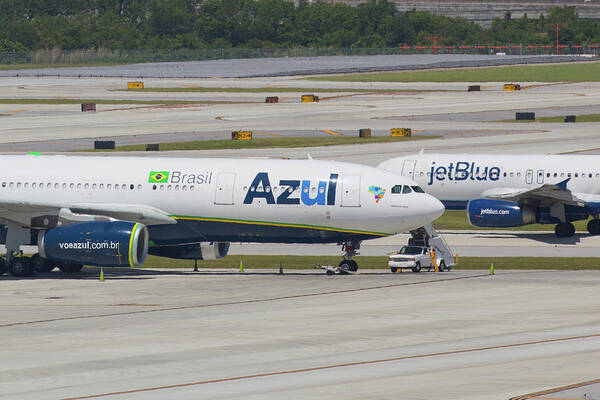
point(417, 267)
point(442, 266)
point(394, 269)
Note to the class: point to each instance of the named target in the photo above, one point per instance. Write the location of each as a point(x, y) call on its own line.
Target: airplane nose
point(435, 208)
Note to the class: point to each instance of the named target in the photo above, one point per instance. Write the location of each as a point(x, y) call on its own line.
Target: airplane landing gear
point(564, 229)
point(593, 226)
point(20, 266)
point(350, 250)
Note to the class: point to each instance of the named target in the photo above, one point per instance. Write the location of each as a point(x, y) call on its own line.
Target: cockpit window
point(417, 189)
point(406, 189)
point(397, 189)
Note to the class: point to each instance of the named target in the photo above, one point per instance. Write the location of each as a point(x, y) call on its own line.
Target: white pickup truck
point(415, 258)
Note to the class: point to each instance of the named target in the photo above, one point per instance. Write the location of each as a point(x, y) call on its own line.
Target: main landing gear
point(593, 226)
point(564, 229)
point(350, 250)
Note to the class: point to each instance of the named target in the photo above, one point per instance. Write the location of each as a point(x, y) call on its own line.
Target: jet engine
point(116, 243)
point(192, 251)
point(500, 214)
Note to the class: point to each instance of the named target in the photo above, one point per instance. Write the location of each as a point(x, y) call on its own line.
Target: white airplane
point(500, 190)
point(113, 211)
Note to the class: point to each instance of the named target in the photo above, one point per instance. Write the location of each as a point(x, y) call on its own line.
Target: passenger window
point(590, 175)
point(94, 186)
point(56, 186)
point(33, 185)
point(139, 187)
point(191, 187)
point(555, 174)
point(397, 189)
point(569, 175)
point(184, 188)
point(576, 175)
point(124, 186)
point(109, 186)
point(417, 189)
point(131, 187)
point(87, 186)
point(153, 187)
point(512, 174)
point(548, 175)
point(3, 184)
point(406, 189)
point(26, 185)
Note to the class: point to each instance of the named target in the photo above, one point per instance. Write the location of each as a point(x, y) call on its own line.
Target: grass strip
point(109, 101)
point(568, 72)
point(270, 142)
point(293, 262)
point(457, 220)
point(273, 90)
point(560, 118)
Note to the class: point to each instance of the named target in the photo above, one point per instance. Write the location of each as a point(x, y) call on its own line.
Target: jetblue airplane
point(113, 211)
point(511, 190)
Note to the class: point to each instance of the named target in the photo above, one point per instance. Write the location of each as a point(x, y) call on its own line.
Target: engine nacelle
point(116, 244)
point(499, 213)
point(192, 251)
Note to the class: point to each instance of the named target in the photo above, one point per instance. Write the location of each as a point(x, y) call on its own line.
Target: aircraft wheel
point(564, 229)
point(40, 264)
point(593, 227)
point(3, 266)
point(20, 266)
point(394, 269)
point(70, 268)
point(348, 266)
point(442, 266)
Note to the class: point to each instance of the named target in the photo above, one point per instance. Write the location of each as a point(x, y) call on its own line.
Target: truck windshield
point(411, 250)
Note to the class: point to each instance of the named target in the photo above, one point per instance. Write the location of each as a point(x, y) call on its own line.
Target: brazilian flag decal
point(158, 177)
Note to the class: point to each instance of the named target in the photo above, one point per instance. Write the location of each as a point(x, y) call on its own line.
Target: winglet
point(563, 185)
point(422, 151)
point(309, 156)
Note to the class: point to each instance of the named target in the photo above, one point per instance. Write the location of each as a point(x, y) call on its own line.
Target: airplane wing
point(544, 195)
point(27, 213)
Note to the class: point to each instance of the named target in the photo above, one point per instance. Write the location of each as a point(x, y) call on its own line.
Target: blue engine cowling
point(499, 213)
point(116, 244)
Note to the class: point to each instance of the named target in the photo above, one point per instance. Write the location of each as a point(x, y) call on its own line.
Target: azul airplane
point(510, 190)
point(113, 211)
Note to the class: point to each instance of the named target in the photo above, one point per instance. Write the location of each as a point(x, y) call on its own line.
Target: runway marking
point(537, 395)
point(342, 365)
point(331, 132)
point(239, 302)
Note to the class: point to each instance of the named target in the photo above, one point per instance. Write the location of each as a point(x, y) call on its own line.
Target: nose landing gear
point(350, 250)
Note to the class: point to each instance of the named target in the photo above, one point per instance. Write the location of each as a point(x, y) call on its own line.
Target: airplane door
point(224, 188)
point(529, 177)
point(351, 191)
point(408, 168)
point(540, 176)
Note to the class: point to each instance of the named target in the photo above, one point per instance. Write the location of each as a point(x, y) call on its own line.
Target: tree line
point(196, 24)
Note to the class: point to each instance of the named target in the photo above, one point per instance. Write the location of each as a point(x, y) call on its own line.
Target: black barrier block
point(570, 118)
point(152, 147)
point(104, 144)
point(525, 116)
point(365, 132)
point(474, 88)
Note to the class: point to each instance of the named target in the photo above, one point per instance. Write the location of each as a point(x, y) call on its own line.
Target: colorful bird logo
point(377, 191)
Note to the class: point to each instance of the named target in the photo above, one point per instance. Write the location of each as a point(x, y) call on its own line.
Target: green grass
point(272, 90)
point(106, 101)
point(570, 72)
point(291, 262)
point(270, 142)
point(561, 119)
point(457, 220)
point(6, 67)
